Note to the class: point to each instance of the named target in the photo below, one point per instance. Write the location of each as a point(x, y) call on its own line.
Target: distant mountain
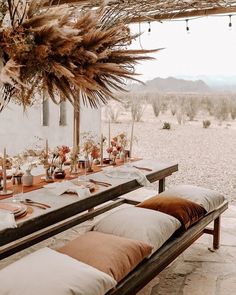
point(216, 82)
point(171, 84)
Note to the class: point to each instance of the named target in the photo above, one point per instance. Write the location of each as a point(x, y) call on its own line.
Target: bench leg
point(161, 185)
point(216, 234)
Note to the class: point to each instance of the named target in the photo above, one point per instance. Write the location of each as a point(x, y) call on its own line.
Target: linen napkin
point(7, 220)
point(59, 188)
point(149, 163)
point(128, 172)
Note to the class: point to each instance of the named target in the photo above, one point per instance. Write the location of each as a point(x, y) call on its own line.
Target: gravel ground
point(206, 157)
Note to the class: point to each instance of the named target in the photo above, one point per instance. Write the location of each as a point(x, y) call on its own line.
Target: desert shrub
point(207, 104)
point(156, 105)
point(173, 109)
point(166, 125)
point(180, 117)
point(233, 109)
point(206, 123)
point(113, 112)
point(138, 103)
point(125, 99)
point(137, 110)
point(222, 109)
point(191, 107)
point(164, 106)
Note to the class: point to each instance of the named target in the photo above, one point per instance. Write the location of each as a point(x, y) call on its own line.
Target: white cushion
point(207, 198)
point(47, 272)
point(140, 195)
point(149, 226)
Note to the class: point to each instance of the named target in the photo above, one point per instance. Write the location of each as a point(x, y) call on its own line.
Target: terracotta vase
point(122, 156)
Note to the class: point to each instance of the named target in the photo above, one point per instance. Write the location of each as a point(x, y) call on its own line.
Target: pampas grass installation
point(64, 52)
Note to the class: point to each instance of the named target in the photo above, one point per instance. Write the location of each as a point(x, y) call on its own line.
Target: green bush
point(206, 123)
point(166, 125)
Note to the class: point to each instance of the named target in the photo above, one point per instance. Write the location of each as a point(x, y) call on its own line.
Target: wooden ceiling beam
point(184, 14)
point(56, 2)
point(159, 16)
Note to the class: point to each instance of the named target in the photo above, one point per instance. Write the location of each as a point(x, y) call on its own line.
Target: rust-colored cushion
point(187, 212)
point(111, 254)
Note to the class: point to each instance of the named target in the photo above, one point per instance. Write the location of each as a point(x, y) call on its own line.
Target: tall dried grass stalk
point(65, 52)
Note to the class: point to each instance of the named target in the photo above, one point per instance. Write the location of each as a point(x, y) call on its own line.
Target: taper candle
point(101, 150)
point(4, 170)
point(4, 191)
point(131, 139)
point(109, 133)
point(46, 149)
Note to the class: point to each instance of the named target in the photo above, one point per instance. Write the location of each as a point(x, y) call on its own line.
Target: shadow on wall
point(19, 129)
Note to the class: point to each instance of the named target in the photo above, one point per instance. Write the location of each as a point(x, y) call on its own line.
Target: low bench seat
point(137, 243)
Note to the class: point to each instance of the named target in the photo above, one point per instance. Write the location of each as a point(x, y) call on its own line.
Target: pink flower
point(118, 148)
point(109, 150)
point(113, 143)
point(114, 153)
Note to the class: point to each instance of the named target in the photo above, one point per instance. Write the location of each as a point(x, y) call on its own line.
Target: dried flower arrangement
point(65, 52)
point(90, 149)
point(89, 146)
point(118, 146)
point(59, 156)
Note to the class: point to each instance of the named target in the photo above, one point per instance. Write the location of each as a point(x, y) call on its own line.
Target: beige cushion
point(47, 272)
point(207, 198)
point(111, 254)
point(149, 226)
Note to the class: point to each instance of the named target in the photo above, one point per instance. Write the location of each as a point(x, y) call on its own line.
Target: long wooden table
point(66, 210)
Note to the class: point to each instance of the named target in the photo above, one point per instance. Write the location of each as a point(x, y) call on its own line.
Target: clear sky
point(208, 49)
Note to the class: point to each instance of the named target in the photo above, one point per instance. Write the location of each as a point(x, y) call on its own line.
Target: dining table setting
point(44, 205)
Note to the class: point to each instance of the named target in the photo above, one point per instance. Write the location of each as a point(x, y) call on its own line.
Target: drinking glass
point(154, 186)
point(127, 160)
point(18, 191)
point(83, 177)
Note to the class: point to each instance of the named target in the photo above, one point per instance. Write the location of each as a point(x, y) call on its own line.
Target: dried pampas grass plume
point(64, 52)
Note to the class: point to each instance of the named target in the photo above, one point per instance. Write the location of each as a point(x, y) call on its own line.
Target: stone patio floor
point(199, 271)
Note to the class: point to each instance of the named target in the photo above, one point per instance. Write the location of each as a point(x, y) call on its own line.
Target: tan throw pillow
point(111, 254)
point(185, 211)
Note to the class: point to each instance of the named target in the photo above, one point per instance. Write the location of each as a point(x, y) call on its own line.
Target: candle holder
point(5, 191)
point(74, 165)
point(101, 164)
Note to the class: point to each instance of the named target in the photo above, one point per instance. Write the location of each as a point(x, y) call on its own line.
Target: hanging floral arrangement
point(64, 51)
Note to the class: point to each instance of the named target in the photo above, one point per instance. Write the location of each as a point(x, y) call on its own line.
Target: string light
point(187, 27)
point(149, 27)
point(230, 22)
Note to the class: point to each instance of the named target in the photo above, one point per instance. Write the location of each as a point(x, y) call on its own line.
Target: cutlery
point(142, 168)
point(106, 184)
point(33, 204)
point(38, 203)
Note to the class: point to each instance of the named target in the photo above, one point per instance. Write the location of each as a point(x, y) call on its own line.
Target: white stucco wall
point(18, 129)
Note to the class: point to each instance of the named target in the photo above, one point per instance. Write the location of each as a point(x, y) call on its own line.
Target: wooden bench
point(151, 267)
